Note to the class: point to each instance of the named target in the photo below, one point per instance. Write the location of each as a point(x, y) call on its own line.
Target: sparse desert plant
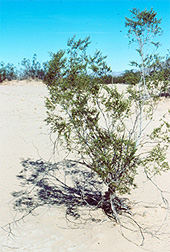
point(31, 70)
point(7, 72)
point(90, 119)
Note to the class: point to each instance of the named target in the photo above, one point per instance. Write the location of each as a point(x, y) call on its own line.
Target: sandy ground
point(23, 135)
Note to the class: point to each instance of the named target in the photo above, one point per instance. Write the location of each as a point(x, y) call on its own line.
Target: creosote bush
point(104, 128)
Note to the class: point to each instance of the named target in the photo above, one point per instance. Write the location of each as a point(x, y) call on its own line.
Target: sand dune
point(24, 135)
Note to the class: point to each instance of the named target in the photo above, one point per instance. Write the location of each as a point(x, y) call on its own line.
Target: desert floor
point(24, 135)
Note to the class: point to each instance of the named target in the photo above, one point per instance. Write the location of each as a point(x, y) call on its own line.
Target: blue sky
point(43, 26)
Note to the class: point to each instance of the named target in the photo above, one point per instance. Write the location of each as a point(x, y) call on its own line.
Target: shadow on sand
point(64, 183)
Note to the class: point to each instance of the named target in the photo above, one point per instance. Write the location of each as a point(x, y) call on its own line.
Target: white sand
point(23, 135)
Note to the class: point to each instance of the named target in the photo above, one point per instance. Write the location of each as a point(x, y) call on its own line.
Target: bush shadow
point(65, 183)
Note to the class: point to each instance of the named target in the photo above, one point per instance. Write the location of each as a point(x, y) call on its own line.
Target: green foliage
point(143, 28)
point(128, 77)
point(31, 70)
point(90, 117)
point(131, 77)
point(7, 72)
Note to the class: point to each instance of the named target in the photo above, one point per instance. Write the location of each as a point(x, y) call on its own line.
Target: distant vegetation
point(129, 77)
point(33, 69)
point(7, 72)
point(29, 69)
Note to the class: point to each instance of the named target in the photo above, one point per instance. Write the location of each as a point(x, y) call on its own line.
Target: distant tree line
point(32, 69)
point(161, 69)
point(129, 77)
point(29, 69)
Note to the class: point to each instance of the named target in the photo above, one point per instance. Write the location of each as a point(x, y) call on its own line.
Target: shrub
point(92, 120)
point(7, 72)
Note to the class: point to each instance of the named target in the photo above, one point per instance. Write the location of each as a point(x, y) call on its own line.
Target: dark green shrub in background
point(31, 69)
point(7, 72)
